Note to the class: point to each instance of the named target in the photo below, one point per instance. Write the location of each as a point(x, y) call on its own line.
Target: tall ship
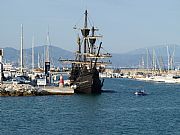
point(89, 60)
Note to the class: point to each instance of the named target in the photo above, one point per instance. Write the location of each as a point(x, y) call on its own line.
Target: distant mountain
point(129, 59)
point(55, 54)
point(13, 55)
point(124, 60)
point(134, 58)
point(159, 49)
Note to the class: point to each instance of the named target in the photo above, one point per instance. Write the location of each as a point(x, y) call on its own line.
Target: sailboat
point(84, 76)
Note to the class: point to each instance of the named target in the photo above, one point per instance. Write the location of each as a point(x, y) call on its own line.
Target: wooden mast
point(85, 33)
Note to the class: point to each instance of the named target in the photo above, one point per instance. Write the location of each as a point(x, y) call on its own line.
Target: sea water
point(116, 111)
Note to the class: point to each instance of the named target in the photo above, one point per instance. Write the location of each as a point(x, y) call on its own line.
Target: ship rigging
point(89, 59)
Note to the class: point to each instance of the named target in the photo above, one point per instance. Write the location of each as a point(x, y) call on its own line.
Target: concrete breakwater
point(21, 90)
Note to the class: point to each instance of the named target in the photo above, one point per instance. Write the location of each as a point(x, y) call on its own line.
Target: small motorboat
point(140, 93)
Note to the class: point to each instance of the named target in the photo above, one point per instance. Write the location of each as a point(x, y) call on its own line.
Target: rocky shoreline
point(21, 90)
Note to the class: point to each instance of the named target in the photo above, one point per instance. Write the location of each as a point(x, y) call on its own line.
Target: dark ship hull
point(87, 81)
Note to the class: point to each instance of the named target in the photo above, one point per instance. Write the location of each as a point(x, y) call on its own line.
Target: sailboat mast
point(172, 59)
point(39, 61)
point(21, 51)
point(142, 62)
point(147, 59)
point(154, 60)
point(33, 53)
point(47, 47)
point(168, 57)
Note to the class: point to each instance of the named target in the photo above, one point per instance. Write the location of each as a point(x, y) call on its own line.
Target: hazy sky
point(125, 24)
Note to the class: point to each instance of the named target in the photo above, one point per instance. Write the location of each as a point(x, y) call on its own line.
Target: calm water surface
point(116, 112)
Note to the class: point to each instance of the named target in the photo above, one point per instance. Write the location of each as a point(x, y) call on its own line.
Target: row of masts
point(156, 63)
point(46, 52)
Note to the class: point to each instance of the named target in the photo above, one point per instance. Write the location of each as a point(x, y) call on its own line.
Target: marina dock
point(28, 90)
point(59, 90)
